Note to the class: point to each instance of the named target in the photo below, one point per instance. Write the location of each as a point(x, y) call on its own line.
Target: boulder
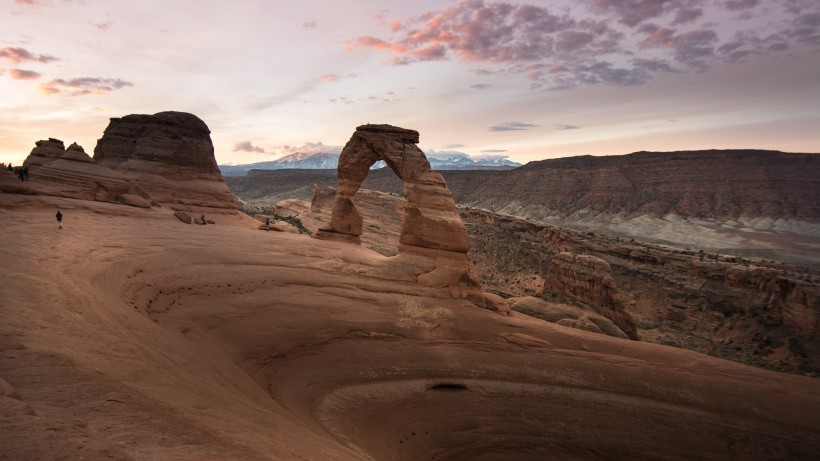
point(134, 200)
point(183, 216)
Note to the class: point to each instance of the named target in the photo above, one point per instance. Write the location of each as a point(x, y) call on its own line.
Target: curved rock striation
point(72, 173)
point(170, 154)
point(432, 231)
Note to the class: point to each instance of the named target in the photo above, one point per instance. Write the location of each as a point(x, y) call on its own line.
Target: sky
point(525, 80)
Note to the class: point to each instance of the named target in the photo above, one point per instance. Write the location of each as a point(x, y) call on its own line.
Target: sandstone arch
point(432, 228)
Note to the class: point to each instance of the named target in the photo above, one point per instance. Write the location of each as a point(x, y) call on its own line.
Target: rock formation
point(72, 173)
point(76, 152)
point(170, 154)
point(45, 151)
point(11, 184)
point(728, 201)
point(566, 315)
point(588, 280)
point(432, 230)
point(132, 336)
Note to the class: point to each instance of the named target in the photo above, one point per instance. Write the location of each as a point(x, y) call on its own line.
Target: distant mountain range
point(329, 161)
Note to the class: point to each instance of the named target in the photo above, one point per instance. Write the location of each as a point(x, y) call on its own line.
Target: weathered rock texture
point(432, 229)
point(588, 280)
point(170, 154)
point(719, 200)
point(11, 184)
point(45, 151)
point(567, 315)
point(756, 312)
point(72, 173)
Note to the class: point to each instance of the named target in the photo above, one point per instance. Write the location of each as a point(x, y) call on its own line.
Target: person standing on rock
point(59, 219)
point(203, 219)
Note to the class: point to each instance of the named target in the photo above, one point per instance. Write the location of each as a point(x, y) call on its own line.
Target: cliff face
point(713, 184)
point(587, 280)
point(170, 154)
point(758, 312)
point(167, 139)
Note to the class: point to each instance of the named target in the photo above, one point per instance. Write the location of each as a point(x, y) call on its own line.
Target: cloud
point(622, 43)
point(18, 55)
point(312, 148)
point(20, 74)
point(738, 5)
point(330, 78)
point(445, 154)
point(688, 48)
point(490, 156)
point(83, 86)
point(494, 151)
point(309, 25)
point(247, 146)
point(481, 86)
point(567, 127)
point(634, 12)
point(101, 25)
point(512, 126)
point(452, 146)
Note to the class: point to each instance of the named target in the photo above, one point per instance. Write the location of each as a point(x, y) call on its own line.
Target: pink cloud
point(247, 146)
point(20, 74)
point(18, 55)
point(83, 86)
point(562, 49)
point(101, 25)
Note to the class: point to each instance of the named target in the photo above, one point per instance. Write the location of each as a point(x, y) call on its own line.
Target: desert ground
point(131, 335)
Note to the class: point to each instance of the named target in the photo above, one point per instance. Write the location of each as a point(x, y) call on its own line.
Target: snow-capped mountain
point(329, 161)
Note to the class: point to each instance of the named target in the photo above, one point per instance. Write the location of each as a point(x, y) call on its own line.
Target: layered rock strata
point(72, 173)
point(170, 154)
point(432, 230)
point(588, 280)
point(45, 151)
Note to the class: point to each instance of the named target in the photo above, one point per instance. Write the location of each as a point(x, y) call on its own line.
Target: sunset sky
point(528, 79)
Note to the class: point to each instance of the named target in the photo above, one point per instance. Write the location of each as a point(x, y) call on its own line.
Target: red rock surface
point(588, 279)
point(170, 154)
point(138, 337)
point(432, 238)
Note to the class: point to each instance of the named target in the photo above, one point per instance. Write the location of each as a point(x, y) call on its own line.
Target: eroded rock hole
point(449, 387)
